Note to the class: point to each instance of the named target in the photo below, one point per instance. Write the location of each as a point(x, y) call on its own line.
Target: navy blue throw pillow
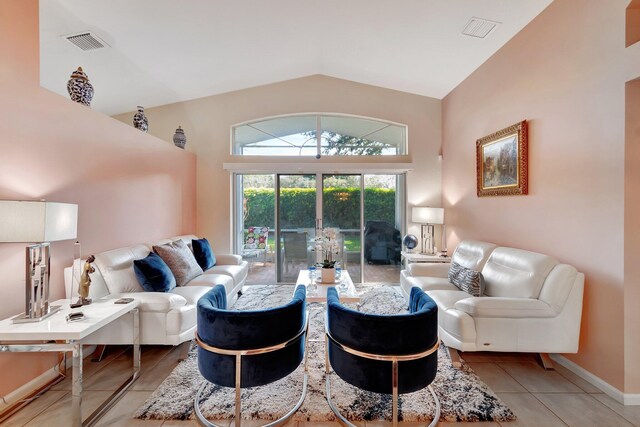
point(203, 253)
point(154, 274)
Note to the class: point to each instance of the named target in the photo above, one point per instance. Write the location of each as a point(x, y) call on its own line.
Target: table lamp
point(41, 222)
point(427, 217)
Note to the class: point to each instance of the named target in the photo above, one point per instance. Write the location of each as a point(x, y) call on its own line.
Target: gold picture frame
point(502, 162)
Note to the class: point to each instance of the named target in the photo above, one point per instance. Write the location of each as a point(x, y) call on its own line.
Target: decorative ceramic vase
point(328, 275)
point(79, 88)
point(410, 242)
point(179, 138)
point(140, 120)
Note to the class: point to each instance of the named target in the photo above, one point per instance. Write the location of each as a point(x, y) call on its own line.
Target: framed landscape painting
point(501, 162)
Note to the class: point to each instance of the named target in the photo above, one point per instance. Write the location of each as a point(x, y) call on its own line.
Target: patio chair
point(256, 243)
point(382, 243)
point(295, 247)
point(391, 354)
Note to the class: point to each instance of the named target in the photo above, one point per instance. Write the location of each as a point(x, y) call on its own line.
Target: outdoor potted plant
point(329, 245)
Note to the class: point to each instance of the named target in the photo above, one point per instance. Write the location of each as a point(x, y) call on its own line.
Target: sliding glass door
point(383, 219)
point(296, 203)
point(342, 209)
point(367, 210)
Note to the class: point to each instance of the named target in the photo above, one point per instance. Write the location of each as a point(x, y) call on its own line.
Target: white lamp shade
point(22, 221)
point(426, 215)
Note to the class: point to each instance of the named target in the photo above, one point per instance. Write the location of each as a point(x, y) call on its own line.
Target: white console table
point(55, 334)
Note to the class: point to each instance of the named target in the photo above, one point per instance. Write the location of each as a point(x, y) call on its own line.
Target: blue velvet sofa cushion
point(250, 329)
point(203, 253)
point(154, 274)
point(401, 334)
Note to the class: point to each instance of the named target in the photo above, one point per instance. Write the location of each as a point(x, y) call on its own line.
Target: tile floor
point(538, 397)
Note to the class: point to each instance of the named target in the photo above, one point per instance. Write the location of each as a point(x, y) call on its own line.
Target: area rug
point(463, 396)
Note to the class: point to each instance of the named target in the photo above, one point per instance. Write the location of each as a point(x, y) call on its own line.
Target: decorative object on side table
point(140, 121)
point(37, 221)
point(410, 242)
point(85, 281)
point(79, 88)
point(179, 138)
point(329, 245)
point(427, 217)
point(443, 252)
point(502, 162)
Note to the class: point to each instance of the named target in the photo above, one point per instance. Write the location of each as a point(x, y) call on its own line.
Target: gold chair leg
point(203, 420)
point(196, 407)
point(238, 410)
point(238, 390)
point(344, 421)
point(394, 392)
point(333, 407)
point(436, 416)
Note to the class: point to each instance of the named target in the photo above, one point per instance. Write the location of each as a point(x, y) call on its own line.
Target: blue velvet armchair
point(250, 348)
point(390, 354)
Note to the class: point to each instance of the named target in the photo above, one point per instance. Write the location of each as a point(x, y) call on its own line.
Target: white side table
point(408, 258)
point(56, 335)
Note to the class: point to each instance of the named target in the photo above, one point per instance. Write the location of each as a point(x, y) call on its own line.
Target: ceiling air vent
point(479, 28)
point(86, 41)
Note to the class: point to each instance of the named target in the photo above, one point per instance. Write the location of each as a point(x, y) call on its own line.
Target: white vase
point(328, 275)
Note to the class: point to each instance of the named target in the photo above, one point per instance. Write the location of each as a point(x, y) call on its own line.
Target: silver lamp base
point(24, 318)
point(426, 235)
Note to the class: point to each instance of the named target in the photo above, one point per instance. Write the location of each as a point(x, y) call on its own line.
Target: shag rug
point(463, 396)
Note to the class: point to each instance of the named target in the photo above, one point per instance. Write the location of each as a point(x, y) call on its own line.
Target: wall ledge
point(619, 396)
point(295, 166)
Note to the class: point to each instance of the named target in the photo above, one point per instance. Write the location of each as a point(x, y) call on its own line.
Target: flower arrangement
point(329, 243)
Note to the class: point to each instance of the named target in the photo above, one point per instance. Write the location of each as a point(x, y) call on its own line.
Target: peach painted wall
point(207, 123)
point(130, 187)
point(632, 23)
point(565, 73)
point(632, 237)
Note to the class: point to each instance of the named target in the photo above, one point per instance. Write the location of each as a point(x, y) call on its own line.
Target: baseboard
point(11, 400)
point(28, 389)
point(611, 391)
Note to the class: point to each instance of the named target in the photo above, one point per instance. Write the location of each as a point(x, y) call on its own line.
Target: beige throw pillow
point(180, 260)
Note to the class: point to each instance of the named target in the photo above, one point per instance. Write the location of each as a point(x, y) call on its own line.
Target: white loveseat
point(165, 318)
point(531, 302)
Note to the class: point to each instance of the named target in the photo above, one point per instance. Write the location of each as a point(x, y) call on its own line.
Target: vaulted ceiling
point(165, 51)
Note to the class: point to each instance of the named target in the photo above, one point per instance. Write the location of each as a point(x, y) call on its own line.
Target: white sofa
point(531, 303)
point(165, 318)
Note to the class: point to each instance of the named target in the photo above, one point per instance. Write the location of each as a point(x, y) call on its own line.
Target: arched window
point(319, 135)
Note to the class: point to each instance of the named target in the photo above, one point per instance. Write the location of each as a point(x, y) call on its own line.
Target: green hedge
point(341, 207)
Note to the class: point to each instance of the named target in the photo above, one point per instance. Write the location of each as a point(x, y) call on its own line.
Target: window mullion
point(318, 136)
